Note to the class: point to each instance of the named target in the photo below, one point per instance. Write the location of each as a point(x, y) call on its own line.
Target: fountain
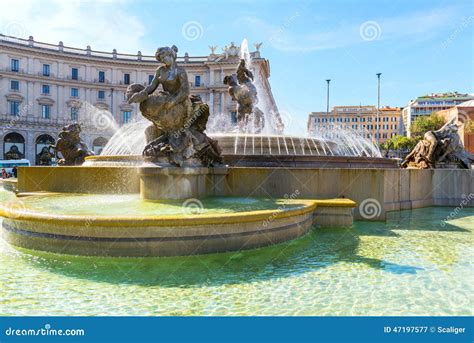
point(169, 200)
point(178, 182)
point(257, 139)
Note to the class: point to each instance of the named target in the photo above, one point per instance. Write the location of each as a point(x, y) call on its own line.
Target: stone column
point(2, 136)
point(30, 153)
point(211, 102)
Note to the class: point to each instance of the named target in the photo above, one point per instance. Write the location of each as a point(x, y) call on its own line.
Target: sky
point(419, 47)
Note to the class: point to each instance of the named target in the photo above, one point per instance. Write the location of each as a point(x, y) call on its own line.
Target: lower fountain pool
point(126, 226)
point(417, 263)
point(132, 206)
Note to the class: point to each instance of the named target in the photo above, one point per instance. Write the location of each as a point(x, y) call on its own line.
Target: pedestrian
point(4, 173)
point(14, 171)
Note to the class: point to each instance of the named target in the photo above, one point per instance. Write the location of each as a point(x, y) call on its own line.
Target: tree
point(400, 144)
point(423, 124)
point(469, 126)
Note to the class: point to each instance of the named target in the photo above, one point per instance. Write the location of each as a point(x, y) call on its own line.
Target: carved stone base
point(166, 182)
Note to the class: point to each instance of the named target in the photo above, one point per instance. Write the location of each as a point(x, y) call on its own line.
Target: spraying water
point(349, 142)
point(128, 140)
point(99, 119)
point(338, 141)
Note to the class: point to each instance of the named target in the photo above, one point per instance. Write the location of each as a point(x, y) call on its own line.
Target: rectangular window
point(197, 80)
point(101, 95)
point(101, 76)
point(74, 92)
point(15, 65)
point(45, 111)
point(45, 89)
point(127, 115)
point(14, 108)
point(126, 79)
point(150, 79)
point(15, 85)
point(74, 73)
point(74, 113)
point(46, 70)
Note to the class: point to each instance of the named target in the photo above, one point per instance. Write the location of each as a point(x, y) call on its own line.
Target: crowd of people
point(6, 175)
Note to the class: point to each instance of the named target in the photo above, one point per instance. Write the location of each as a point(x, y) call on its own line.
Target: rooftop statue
point(69, 144)
point(179, 119)
point(439, 149)
point(242, 90)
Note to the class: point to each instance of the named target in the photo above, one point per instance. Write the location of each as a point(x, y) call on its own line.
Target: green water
point(131, 205)
point(411, 265)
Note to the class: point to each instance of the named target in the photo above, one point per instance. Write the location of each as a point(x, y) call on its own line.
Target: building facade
point(45, 86)
point(360, 118)
point(464, 115)
point(427, 104)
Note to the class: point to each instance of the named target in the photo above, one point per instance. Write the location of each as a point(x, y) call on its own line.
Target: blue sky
point(419, 46)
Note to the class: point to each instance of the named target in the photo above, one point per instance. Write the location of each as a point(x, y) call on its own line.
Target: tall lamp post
point(378, 108)
point(327, 106)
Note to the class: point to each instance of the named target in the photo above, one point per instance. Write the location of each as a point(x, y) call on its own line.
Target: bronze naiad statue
point(242, 90)
point(439, 149)
point(178, 119)
point(69, 144)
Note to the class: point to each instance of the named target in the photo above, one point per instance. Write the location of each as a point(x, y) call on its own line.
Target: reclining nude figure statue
point(438, 147)
point(179, 119)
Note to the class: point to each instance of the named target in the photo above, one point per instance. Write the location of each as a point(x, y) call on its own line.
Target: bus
point(9, 164)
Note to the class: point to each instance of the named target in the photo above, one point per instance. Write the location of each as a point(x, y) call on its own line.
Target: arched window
point(43, 154)
point(98, 144)
point(13, 146)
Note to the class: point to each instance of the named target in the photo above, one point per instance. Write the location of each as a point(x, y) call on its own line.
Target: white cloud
point(104, 25)
point(288, 37)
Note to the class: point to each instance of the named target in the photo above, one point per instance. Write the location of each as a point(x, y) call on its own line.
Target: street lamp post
point(327, 107)
point(378, 108)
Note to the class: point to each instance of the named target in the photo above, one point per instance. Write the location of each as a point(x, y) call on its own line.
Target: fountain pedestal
point(178, 183)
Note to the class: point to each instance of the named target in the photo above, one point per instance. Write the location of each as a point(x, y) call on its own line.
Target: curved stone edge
point(160, 241)
point(21, 213)
point(258, 160)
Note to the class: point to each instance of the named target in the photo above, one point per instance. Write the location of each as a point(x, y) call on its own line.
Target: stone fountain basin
point(274, 161)
point(80, 224)
point(52, 223)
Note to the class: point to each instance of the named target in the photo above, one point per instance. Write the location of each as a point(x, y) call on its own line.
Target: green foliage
point(423, 124)
point(469, 126)
point(399, 142)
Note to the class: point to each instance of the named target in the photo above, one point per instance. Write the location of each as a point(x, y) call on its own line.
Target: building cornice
point(89, 56)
